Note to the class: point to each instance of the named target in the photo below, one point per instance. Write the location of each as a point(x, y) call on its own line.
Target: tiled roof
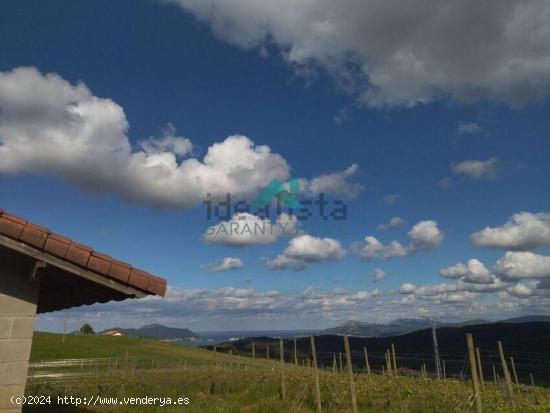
point(42, 239)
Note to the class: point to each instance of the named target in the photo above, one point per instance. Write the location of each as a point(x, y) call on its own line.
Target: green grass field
point(119, 367)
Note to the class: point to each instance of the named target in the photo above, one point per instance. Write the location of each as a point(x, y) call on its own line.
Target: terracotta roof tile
point(120, 271)
point(11, 225)
point(78, 254)
point(57, 245)
point(41, 238)
point(139, 278)
point(100, 263)
point(14, 218)
point(34, 235)
point(156, 285)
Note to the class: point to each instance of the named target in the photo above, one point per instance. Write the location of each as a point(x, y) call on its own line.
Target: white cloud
point(459, 292)
point(424, 236)
point(407, 288)
point(305, 250)
point(438, 289)
point(468, 128)
point(394, 222)
point(521, 290)
point(390, 199)
point(246, 229)
point(474, 272)
point(456, 271)
point(335, 183)
point(49, 126)
point(519, 265)
point(227, 264)
point(378, 275)
point(523, 231)
point(391, 53)
point(476, 169)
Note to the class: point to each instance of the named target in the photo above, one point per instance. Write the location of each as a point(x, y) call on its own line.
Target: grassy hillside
point(133, 367)
point(48, 346)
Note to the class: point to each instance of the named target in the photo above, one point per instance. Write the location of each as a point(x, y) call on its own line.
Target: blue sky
point(462, 158)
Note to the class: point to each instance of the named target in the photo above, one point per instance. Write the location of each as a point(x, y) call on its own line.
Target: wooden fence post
point(334, 365)
point(514, 371)
point(281, 351)
point(350, 373)
point(532, 380)
point(341, 365)
point(394, 361)
point(267, 353)
point(473, 372)
point(495, 375)
point(254, 351)
point(295, 354)
point(444, 371)
point(505, 370)
point(316, 374)
point(367, 360)
point(480, 369)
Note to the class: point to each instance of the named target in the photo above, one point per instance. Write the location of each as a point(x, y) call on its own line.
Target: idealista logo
point(277, 198)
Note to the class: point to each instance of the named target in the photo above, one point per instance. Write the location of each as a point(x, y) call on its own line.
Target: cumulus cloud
point(246, 229)
point(390, 54)
point(523, 264)
point(394, 222)
point(227, 264)
point(474, 271)
point(378, 275)
point(423, 236)
point(473, 169)
point(305, 250)
point(465, 128)
point(523, 231)
point(407, 288)
point(335, 183)
point(521, 290)
point(50, 126)
point(458, 292)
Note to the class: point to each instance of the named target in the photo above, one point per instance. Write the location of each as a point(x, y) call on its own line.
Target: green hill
point(49, 346)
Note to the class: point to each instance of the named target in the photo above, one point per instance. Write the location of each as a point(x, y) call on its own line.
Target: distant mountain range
point(157, 331)
point(525, 341)
point(408, 325)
